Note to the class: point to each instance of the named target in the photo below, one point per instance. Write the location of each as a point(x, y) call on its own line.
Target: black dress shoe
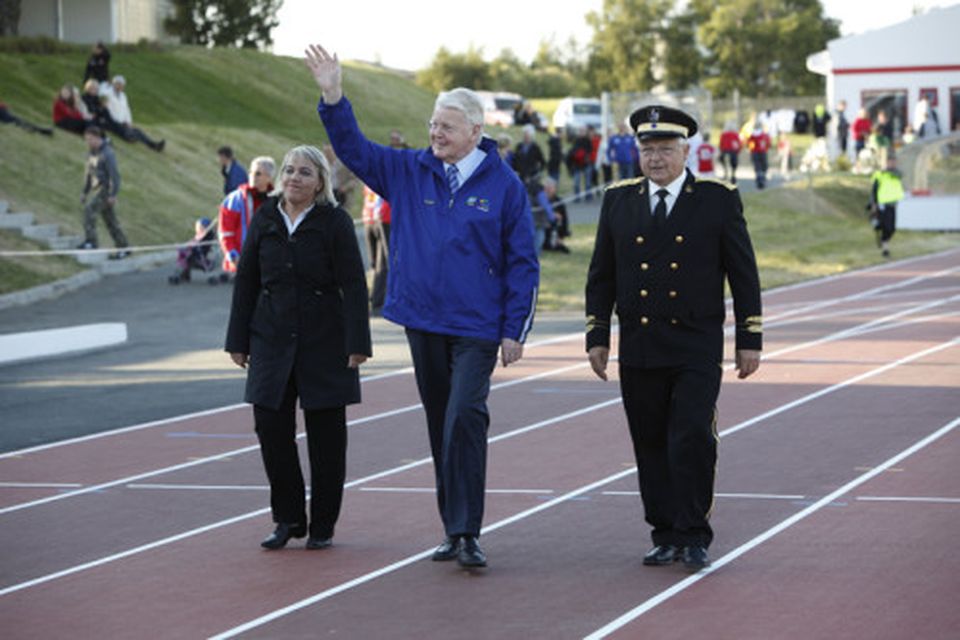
point(278, 539)
point(695, 557)
point(447, 550)
point(316, 542)
point(661, 554)
point(471, 555)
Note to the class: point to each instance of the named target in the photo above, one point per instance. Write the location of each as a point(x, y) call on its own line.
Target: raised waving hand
point(326, 71)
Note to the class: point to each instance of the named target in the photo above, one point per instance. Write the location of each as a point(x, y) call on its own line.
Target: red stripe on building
point(858, 70)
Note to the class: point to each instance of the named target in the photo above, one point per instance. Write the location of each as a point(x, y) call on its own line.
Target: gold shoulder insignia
point(624, 183)
point(731, 187)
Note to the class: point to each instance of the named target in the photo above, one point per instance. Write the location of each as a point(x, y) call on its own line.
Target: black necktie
point(660, 211)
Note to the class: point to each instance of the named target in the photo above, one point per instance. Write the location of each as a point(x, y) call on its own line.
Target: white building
point(889, 69)
point(89, 21)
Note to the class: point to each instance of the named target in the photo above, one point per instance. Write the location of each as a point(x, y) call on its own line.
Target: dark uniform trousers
point(327, 451)
point(672, 418)
point(453, 377)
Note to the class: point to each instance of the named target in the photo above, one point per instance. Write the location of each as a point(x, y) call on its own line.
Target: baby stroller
point(199, 253)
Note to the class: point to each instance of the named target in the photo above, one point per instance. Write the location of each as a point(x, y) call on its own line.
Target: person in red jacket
point(238, 208)
point(705, 155)
point(730, 146)
point(66, 112)
point(862, 127)
point(376, 232)
point(759, 144)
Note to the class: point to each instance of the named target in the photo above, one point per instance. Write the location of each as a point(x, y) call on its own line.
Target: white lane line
point(252, 514)
point(373, 575)
point(202, 487)
point(749, 496)
point(683, 585)
point(433, 490)
point(255, 447)
point(39, 485)
point(930, 499)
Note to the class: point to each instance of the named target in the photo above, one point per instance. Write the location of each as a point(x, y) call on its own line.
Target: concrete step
point(41, 231)
point(91, 257)
point(64, 242)
point(15, 220)
point(136, 261)
point(4, 206)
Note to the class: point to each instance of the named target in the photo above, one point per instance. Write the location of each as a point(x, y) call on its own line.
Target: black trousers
point(887, 221)
point(671, 412)
point(377, 236)
point(327, 451)
point(453, 377)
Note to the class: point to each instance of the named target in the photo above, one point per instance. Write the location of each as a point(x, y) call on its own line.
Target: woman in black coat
point(299, 324)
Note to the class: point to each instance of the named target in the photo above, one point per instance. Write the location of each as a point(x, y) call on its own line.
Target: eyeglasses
point(443, 127)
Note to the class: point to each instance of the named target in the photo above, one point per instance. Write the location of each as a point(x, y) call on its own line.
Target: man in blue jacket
point(463, 279)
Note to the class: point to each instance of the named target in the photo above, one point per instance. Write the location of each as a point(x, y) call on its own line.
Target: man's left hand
point(747, 362)
point(510, 351)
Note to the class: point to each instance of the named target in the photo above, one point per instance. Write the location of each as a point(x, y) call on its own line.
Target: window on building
point(955, 109)
point(891, 101)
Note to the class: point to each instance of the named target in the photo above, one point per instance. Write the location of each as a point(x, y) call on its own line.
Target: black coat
point(668, 285)
point(300, 307)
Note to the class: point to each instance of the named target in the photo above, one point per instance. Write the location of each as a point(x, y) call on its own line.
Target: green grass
point(198, 99)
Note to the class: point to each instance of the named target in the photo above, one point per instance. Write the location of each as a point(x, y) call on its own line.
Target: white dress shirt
point(673, 190)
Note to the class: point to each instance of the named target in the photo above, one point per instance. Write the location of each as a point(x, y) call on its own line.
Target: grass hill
point(198, 99)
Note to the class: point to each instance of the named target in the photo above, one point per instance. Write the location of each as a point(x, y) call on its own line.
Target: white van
point(573, 113)
point(498, 107)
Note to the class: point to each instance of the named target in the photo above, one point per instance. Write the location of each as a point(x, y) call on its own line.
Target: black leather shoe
point(447, 550)
point(695, 557)
point(278, 539)
point(471, 555)
point(316, 542)
point(661, 554)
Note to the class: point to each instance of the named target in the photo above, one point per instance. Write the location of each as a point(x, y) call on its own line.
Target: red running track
point(836, 497)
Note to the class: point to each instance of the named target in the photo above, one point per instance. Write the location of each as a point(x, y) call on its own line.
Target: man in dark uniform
point(664, 245)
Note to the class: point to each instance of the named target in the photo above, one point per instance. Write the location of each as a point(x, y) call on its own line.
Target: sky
point(406, 35)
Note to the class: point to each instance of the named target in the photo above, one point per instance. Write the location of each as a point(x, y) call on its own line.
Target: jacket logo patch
point(429, 202)
point(480, 203)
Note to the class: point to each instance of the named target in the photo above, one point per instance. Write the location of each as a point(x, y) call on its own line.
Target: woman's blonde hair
point(316, 157)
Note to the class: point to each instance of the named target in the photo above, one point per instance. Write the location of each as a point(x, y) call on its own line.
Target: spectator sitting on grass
point(8, 118)
point(101, 116)
point(67, 113)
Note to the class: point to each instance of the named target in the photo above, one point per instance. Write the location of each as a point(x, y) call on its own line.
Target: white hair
point(530, 130)
point(266, 163)
point(463, 100)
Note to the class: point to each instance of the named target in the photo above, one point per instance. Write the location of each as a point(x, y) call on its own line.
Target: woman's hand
point(240, 359)
point(326, 71)
point(355, 360)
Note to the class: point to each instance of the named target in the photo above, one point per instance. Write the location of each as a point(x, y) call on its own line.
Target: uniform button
point(673, 321)
point(679, 239)
point(289, 265)
point(644, 320)
point(644, 293)
point(674, 266)
point(672, 294)
point(293, 335)
point(639, 239)
point(644, 266)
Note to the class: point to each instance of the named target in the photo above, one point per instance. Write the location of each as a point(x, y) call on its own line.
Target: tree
point(9, 17)
point(682, 60)
point(449, 70)
point(759, 47)
point(626, 37)
point(220, 23)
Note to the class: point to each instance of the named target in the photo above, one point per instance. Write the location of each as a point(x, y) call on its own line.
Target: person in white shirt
point(116, 99)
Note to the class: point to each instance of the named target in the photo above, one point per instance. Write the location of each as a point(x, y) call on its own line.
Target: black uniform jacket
point(668, 285)
point(300, 307)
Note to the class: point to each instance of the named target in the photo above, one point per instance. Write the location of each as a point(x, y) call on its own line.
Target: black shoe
point(160, 145)
point(447, 550)
point(119, 255)
point(471, 555)
point(661, 554)
point(886, 253)
point(316, 542)
point(278, 539)
point(695, 557)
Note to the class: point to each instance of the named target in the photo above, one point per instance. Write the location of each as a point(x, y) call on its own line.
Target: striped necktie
point(453, 178)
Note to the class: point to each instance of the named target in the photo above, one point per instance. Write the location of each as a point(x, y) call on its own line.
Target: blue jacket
point(461, 264)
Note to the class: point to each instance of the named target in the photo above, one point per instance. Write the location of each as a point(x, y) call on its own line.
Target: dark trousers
point(730, 160)
point(327, 450)
point(453, 376)
point(377, 236)
point(671, 412)
point(760, 167)
point(887, 221)
point(100, 206)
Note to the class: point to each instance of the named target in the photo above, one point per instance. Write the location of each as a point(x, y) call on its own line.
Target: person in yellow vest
point(886, 192)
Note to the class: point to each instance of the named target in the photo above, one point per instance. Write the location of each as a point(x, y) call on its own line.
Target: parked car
point(499, 106)
point(573, 113)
